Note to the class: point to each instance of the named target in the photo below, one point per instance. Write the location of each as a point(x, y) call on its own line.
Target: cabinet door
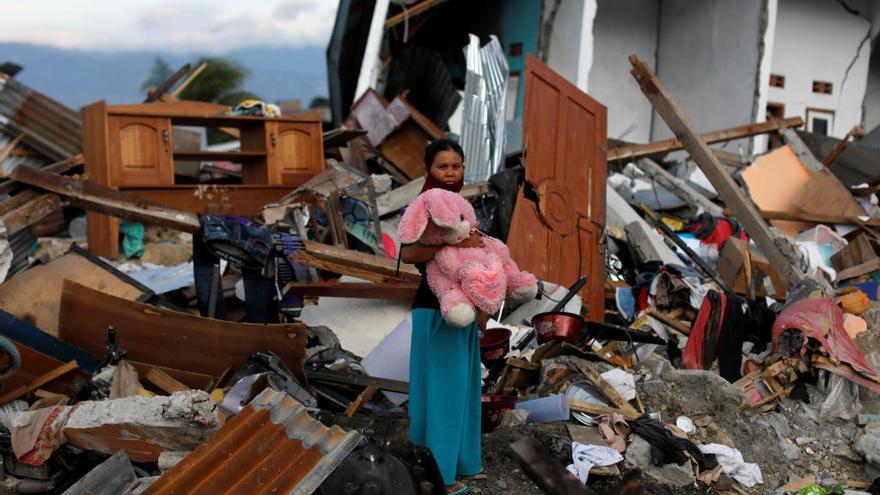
point(141, 151)
point(297, 152)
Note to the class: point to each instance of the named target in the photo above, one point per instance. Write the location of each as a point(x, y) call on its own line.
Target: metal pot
point(555, 325)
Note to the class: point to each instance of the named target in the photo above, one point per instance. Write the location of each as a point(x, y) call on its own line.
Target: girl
point(444, 370)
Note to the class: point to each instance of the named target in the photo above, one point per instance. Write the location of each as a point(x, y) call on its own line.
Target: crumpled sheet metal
point(822, 320)
point(272, 446)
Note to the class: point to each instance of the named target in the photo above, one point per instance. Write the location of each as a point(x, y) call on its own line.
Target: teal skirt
point(444, 393)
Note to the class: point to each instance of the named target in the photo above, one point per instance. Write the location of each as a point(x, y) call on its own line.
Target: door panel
point(557, 236)
point(298, 153)
point(141, 151)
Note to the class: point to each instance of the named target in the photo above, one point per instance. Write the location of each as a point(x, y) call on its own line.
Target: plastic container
point(546, 409)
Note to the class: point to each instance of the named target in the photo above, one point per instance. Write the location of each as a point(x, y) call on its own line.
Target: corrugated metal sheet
point(51, 128)
point(30, 160)
point(272, 446)
point(485, 95)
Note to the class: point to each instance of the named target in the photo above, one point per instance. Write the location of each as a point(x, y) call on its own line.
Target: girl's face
point(447, 167)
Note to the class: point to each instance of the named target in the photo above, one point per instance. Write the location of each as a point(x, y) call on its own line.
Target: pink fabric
point(822, 320)
point(478, 277)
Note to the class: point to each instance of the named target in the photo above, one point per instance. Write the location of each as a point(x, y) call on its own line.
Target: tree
point(160, 73)
point(220, 82)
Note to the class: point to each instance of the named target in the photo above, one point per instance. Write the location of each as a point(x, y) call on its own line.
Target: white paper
point(622, 382)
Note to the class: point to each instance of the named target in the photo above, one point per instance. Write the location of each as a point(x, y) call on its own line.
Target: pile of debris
point(254, 336)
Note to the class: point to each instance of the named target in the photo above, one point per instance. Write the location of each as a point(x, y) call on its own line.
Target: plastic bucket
point(546, 409)
point(493, 409)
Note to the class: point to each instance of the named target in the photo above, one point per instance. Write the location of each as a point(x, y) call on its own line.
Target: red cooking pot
point(556, 325)
point(494, 344)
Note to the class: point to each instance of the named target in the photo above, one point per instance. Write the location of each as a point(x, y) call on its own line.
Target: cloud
point(181, 26)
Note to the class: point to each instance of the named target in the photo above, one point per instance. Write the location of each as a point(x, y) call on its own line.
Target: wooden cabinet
point(131, 147)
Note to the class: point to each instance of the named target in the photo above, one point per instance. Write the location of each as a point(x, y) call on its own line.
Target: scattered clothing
point(715, 230)
point(614, 430)
point(666, 448)
point(733, 465)
point(585, 457)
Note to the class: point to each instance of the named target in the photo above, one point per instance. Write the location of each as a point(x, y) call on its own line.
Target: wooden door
point(556, 231)
point(296, 153)
point(141, 151)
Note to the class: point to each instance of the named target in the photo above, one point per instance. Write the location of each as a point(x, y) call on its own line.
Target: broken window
point(823, 87)
point(777, 81)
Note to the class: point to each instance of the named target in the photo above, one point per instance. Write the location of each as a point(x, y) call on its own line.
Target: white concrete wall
point(621, 28)
point(709, 57)
point(563, 53)
point(871, 102)
point(818, 40)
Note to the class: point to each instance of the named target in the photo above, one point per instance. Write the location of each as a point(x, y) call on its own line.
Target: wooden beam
point(364, 396)
point(193, 75)
point(699, 150)
point(817, 218)
point(156, 93)
point(364, 290)
point(9, 186)
point(102, 199)
point(31, 212)
point(358, 380)
point(641, 150)
point(38, 382)
point(598, 410)
point(664, 318)
point(840, 146)
point(411, 12)
point(164, 381)
point(606, 389)
point(363, 262)
point(678, 187)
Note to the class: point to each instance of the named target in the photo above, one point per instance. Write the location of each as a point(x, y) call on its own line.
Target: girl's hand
point(474, 241)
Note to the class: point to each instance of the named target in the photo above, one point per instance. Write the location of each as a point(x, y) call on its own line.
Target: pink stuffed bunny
point(460, 277)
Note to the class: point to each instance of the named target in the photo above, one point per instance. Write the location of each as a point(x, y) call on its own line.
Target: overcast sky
point(213, 26)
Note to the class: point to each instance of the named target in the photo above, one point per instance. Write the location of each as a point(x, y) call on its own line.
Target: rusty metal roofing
point(50, 127)
point(271, 446)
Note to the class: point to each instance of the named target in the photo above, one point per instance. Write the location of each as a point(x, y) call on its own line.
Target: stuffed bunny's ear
point(414, 221)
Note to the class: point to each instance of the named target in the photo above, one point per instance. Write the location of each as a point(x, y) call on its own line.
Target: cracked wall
point(708, 56)
point(621, 28)
point(822, 40)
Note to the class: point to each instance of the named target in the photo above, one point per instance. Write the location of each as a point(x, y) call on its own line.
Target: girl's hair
point(441, 145)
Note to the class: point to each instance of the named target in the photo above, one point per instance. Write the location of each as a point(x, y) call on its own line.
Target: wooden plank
point(840, 146)
point(606, 389)
point(31, 212)
point(859, 270)
point(155, 94)
point(358, 380)
point(191, 380)
point(386, 290)
point(818, 218)
point(168, 338)
point(38, 382)
point(699, 150)
point(213, 199)
point(678, 187)
point(411, 12)
point(362, 261)
point(112, 477)
point(164, 381)
point(34, 295)
point(364, 396)
point(102, 199)
point(659, 147)
point(667, 320)
point(858, 251)
point(306, 259)
point(18, 200)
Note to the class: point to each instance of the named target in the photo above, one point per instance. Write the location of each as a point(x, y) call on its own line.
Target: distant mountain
point(77, 78)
